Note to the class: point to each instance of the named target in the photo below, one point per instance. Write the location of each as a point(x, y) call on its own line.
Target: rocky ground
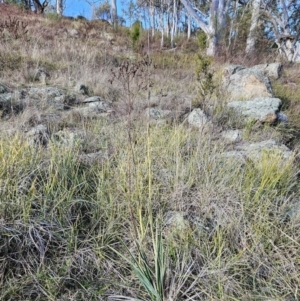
point(137, 175)
point(248, 92)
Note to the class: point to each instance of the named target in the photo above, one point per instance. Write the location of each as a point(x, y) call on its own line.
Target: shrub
point(135, 34)
point(10, 61)
point(204, 77)
point(202, 40)
point(13, 28)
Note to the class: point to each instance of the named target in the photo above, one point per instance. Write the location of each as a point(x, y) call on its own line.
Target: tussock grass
point(71, 230)
point(163, 215)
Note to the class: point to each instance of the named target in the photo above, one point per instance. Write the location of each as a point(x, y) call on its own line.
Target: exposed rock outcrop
point(156, 114)
point(232, 136)
point(245, 84)
point(38, 135)
point(250, 93)
point(271, 149)
point(3, 89)
point(254, 151)
point(264, 109)
point(68, 138)
point(45, 92)
point(273, 70)
point(197, 118)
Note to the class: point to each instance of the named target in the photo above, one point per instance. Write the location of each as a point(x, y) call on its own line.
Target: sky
point(82, 7)
point(77, 7)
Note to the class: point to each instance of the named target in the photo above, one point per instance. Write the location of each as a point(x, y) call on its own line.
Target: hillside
point(130, 172)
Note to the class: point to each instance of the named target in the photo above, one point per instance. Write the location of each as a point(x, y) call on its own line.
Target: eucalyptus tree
point(282, 22)
point(251, 40)
point(59, 7)
point(174, 26)
point(161, 11)
point(211, 19)
point(152, 7)
point(27, 4)
point(40, 6)
point(114, 13)
point(103, 11)
point(132, 12)
point(106, 10)
point(158, 12)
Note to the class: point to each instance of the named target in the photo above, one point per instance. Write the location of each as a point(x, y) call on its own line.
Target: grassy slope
point(66, 225)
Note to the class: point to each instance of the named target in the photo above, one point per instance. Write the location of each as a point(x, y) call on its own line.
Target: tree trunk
point(189, 27)
point(212, 45)
point(190, 11)
point(287, 49)
point(168, 18)
point(280, 22)
point(27, 4)
point(152, 18)
point(114, 15)
point(174, 22)
point(251, 39)
point(167, 28)
point(217, 20)
point(39, 8)
point(59, 7)
point(162, 24)
point(296, 57)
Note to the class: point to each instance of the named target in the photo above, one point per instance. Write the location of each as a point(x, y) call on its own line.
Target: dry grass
point(60, 218)
point(86, 58)
point(161, 215)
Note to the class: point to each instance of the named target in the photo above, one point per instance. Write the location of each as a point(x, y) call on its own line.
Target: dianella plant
point(161, 276)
